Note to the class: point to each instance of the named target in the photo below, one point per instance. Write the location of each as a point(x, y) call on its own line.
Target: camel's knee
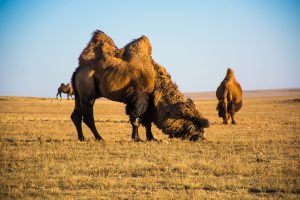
point(76, 116)
point(86, 119)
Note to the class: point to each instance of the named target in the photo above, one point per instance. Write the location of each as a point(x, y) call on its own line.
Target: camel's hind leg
point(233, 109)
point(88, 117)
point(77, 119)
point(86, 93)
point(225, 119)
point(232, 118)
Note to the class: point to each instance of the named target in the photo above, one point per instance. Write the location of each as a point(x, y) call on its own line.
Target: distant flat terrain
point(248, 93)
point(41, 158)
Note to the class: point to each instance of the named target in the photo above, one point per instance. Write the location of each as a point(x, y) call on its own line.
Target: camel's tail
point(73, 82)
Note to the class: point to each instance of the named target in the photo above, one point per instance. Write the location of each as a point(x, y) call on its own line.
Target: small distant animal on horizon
point(66, 89)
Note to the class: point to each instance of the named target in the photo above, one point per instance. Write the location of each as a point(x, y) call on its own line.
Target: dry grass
point(41, 158)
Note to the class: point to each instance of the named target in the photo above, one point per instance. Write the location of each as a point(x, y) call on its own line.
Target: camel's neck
point(167, 100)
point(165, 89)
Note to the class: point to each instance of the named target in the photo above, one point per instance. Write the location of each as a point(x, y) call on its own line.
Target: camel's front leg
point(146, 122)
point(136, 106)
point(135, 127)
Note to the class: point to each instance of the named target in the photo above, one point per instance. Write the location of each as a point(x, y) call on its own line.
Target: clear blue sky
point(40, 40)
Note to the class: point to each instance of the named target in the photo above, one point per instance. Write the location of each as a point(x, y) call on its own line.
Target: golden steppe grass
point(40, 157)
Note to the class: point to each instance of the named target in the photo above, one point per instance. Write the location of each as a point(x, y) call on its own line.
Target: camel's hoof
point(151, 139)
point(137, 140)
point(98, 138)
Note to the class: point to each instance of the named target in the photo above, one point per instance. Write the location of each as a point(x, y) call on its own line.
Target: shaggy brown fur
point(229, 94)
point(67, 89)
point(128, 75)
point(173, 114)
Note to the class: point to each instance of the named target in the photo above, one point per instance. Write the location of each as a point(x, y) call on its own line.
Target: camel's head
point(229, 74)
point(194, 125)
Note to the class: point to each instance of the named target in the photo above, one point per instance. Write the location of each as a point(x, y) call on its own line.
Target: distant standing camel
point(67, 89)
point(229, 94)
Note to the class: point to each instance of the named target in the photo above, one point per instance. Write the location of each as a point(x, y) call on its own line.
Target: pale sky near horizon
point(196, 41)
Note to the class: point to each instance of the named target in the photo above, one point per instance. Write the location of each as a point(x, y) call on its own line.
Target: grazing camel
point(129, 75)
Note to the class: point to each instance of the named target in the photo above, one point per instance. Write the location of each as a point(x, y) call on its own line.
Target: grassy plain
point(41, 158)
